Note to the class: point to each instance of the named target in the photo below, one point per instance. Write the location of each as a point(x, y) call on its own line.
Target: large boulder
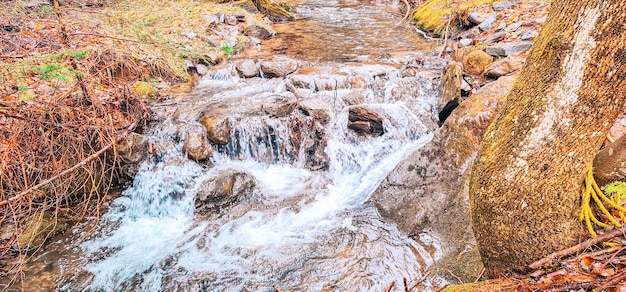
point(428, 191)
point(224, 190)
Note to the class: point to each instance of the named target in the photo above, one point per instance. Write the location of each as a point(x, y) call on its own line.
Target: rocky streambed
point(304, 165)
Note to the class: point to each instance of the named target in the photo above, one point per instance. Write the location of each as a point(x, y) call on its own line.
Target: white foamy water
point(308, 231)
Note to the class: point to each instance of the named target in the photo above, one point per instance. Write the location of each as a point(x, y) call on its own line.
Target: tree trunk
point(525, 187)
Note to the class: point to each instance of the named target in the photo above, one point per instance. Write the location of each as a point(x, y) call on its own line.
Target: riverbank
point(76, 79)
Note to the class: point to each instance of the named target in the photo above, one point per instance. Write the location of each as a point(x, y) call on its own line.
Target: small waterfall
point(305, 230)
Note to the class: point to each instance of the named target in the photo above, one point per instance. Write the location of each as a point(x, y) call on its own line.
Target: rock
point(501, 27)
point(465, 87)
point(360, 82)
point(487, 23)
point(476, 61)
point(330, 82)
point(540, 20)
point(474, 18)
point(302, 81)
point(143, 89)
point(529, 35)
point(231, 20)
point(471, 33)
point(217, 128)
point(502, 6)
point(514, 26)
point(224, 190)
point(247, 69)
point(133, 148)
point(38, 229)
point(459, 54)
point(502, 67)
point(365, 122)
point(356, 97)
point(196, 147)
point(279, 105)
point(316, 108)
point(505, 49)
point(7, 230)
point(494, 38)
point(451, 82)
point(211, 19)
point(258, 29)
point(278, 67)
point(202, 69)
point(428, 191)
point(465, 42)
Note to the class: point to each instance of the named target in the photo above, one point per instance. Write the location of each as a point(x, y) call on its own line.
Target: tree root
point(592, 191)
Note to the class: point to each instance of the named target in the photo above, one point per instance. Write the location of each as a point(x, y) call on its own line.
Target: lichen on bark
point(525, 187)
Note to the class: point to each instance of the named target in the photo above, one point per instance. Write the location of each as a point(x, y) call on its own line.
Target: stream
point(300, 221)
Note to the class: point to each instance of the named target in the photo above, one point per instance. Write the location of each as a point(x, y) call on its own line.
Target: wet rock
point(197, 147)
point(476, 61)
point(487, 23)
point(279, 67)
point(365, 122)
point(428, 191)
point(494, 38)
point(217, 128)
point(360, 82)
point(257, 28)
point(316, 108)
point(302, 81)
point(529, 35)
point(451, 82)
point(133, 148)
point(279, 105)
point(247, 69)
point(38, 229)
point(502, 6)
point(502, 67)
point(224, 190)
point(505, 49)
point(514, 26)
point(356, 97)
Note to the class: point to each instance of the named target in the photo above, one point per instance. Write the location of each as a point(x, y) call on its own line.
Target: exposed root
point(590, 191)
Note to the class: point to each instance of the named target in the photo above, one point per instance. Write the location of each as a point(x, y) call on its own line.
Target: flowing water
point(300, 228)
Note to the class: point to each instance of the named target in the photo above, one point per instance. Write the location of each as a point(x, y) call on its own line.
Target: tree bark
point(525, 186)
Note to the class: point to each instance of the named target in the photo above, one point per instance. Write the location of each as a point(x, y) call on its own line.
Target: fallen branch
point(574, 249)
point(69, 170)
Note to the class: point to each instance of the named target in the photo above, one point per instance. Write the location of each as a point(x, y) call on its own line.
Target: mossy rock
point(143, 89)
point(433, 14)
point(476, 62)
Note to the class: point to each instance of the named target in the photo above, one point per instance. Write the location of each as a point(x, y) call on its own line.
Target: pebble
point(505, 49)
point(487, 23)
point(529, 35)
point(514, 26)
point(502, 6)
point(474, 18)
point(494, 38)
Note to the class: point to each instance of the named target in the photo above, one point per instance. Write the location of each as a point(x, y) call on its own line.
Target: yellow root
point(591, 191)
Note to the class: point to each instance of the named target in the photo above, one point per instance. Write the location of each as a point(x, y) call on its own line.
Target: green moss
point(433, 15)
